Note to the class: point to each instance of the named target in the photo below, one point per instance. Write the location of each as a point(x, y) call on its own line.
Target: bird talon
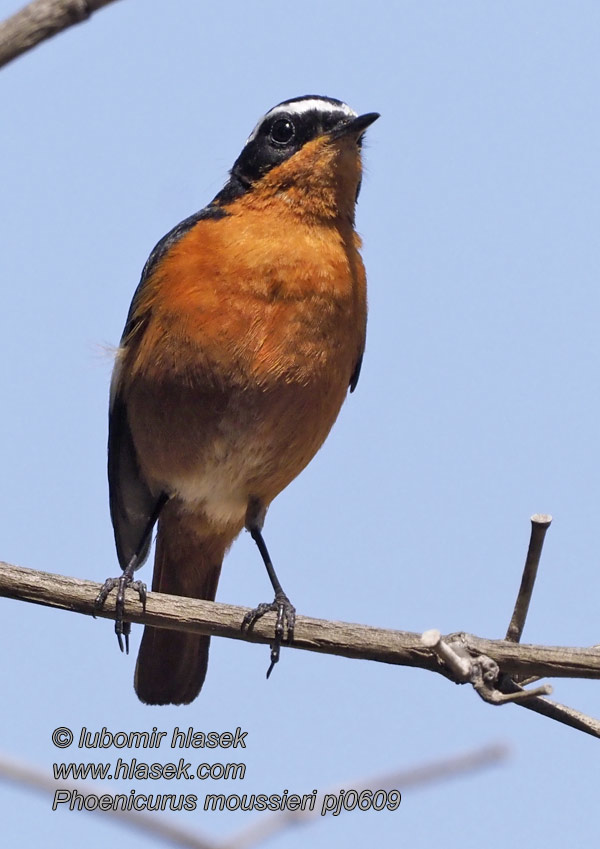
point(105, 591)
point(252, 617)
point(122, 628)
point(286, 616)
point(274, 658)
point(141, 589)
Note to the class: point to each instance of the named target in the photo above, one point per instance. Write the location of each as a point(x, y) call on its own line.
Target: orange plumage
point(239, 349)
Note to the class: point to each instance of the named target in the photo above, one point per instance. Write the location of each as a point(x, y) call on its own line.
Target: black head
point(283, 131)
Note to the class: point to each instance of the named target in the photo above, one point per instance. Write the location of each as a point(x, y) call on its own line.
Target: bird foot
point(286, 615)
point(122, 628)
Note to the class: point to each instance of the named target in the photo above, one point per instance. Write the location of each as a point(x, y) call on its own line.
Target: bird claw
point(286, 616)
point(122, 628)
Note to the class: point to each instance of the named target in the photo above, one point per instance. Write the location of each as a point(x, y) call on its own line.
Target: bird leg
point(281, 605)
point(123, 628)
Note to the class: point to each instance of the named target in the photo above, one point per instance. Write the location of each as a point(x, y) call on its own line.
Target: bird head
point(305, 152)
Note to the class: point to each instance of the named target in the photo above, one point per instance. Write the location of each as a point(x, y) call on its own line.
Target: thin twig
point(260, 829)
point(553, 710)
point(41, 20)
point(539, 525)
point(263, 828)
point(161, 829)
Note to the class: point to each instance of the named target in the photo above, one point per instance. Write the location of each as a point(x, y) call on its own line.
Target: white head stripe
point(299, 107)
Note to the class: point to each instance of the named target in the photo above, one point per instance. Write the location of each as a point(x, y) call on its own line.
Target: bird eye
point(282, 131)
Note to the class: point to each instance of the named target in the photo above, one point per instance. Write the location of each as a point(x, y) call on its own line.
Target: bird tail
point(171, 665)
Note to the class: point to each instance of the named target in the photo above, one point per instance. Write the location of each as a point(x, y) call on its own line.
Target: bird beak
point(355, 126)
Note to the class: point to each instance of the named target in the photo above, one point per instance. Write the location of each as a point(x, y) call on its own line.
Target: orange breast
point(249, 333)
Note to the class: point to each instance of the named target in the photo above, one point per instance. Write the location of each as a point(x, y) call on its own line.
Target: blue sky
point(477, 404)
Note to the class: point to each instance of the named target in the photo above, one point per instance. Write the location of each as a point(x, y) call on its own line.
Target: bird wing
point(132, 503)
point(356, 374)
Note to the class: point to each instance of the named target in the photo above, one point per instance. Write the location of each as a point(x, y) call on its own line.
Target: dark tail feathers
point(171, 665)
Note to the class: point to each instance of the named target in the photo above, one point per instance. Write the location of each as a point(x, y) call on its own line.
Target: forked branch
point(497, 669)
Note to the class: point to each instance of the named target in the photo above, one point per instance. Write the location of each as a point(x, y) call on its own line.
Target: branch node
point(458, 661)
point(482, 671)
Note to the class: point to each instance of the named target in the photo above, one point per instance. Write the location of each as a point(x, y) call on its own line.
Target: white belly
point(220, 485)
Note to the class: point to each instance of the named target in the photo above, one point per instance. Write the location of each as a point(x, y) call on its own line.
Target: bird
point(243, 338)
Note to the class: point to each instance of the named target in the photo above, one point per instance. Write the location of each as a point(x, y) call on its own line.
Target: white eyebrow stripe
point(300, 107)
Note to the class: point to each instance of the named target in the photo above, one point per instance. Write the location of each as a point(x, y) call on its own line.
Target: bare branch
point(41, 20)
point(339, 638)
point(560, 713)
point(260, 830)
point(484, 674)
point(539, 525)
point(512, 688)
point(157, 827)
point(489, 665)
point(224, 620)
point(262, 827)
